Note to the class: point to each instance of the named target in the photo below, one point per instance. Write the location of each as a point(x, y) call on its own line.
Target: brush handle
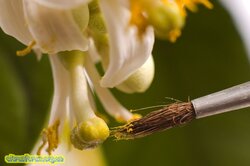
point(230, 99)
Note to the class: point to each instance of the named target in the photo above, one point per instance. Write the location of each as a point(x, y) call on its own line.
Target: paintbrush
point(179, 113)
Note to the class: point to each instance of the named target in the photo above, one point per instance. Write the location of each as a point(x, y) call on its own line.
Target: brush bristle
point(172, 115)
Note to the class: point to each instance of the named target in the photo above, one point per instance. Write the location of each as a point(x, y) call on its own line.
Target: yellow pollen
point(135, 117)
point(166, 2)
point(206, 3)
point(174, 34)
point(129, 130)
point(181, 5)
point(27, 50)
point(50, 136)
point(192, 5)
point(120, 119)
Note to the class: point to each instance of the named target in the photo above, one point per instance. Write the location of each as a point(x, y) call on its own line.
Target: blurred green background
point(208, 57)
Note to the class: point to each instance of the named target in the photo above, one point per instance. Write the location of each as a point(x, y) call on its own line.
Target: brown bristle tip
point(172, 115)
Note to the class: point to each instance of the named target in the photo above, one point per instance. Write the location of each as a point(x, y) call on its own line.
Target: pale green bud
point(140, 80)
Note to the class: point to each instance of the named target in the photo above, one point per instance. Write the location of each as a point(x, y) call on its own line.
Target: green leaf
point(13, 109)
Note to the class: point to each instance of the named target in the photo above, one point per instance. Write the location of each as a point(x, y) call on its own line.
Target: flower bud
point(140, 80)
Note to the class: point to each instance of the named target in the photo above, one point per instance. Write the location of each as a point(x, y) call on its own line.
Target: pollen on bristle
point(172, 115)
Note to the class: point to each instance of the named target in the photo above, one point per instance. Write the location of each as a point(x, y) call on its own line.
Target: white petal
point(12, 20)
point(61, 90)
point(94, 55)
point(62, 4)
point(72, 156)
point(38, 53)
point(239, 9)
point(55, 30)
point(111, 105)
point(127, 51)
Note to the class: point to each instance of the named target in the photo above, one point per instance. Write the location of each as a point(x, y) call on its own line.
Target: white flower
point(72, 32)
point(241, 14)
point(52, 29)
point(127, 51)
point(72, 156)
point(62, 26)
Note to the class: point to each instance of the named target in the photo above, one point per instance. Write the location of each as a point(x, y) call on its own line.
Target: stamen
point(27, 50)
point(192, 5)
point(206, 3)
point(50, 136)
point(174, 34)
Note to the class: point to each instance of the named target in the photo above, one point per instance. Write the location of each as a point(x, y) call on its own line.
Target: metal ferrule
point(226, 100)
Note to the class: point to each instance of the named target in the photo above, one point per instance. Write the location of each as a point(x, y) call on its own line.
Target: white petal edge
point(59, 106)
point(12, 20)
point(240, 13)
point(127, 51)
point(54, 30)
point(111, 105)
point(72, 156)
point(62, 4)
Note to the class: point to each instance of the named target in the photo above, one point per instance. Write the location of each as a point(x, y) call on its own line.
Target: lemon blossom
point(79, 33)
point(59, 29)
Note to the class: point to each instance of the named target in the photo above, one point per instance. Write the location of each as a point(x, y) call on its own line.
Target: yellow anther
point(181, 5)
point(206, 3)
point(50, 136)
point(174, 34)
point(27, 50)
point(192, 4)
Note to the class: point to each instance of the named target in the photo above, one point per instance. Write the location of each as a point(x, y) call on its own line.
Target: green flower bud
point(140, 80)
